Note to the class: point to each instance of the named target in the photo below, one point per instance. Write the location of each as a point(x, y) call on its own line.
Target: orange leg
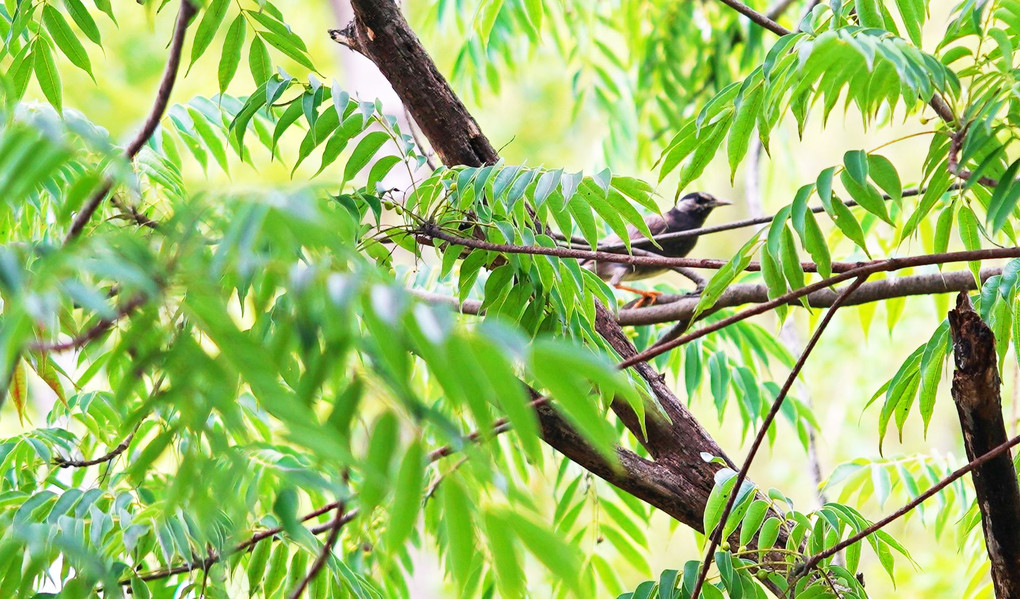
point(646, 296)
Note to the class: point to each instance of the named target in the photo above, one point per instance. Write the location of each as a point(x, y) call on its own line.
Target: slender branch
point(756, 17)
point(937, 102)
point(84, 338)
point(499, 426)
point(166, 85)
point(815, 559)
point(730, 226)
point(716, 534)
point(245, 546)
point(644, 259)
point(327, 549)
point(867, 268)
point(106, 457)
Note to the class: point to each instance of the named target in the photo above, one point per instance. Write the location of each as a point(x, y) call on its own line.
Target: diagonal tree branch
point(380, 32)
point(716, 535)
point(166, 85)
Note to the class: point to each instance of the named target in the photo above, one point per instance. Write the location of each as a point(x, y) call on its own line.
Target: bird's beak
point(716, 203)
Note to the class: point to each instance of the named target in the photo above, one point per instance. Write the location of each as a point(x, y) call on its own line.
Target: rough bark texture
point(380, 32)
point(976, 393)
point(669, 308)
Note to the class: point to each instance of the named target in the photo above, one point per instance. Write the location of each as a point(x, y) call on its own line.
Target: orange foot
point(647, 297)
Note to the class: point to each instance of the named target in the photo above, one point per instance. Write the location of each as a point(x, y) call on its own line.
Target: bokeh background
point(533, 118)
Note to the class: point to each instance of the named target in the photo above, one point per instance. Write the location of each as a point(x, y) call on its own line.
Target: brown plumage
point(689, 213)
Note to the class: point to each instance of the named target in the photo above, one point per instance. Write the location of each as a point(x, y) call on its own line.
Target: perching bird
point(689, 213)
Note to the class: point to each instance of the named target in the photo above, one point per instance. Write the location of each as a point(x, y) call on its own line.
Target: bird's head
point(698, 204)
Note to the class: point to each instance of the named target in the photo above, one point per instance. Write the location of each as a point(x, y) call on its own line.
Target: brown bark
point(976, 393)
point(380, 32)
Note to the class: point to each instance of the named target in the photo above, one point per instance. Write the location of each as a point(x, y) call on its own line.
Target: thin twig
point(814, 560)
point(866, 268)
point(730, 226)
point(499, 426)
point(937, 102)
point(756, 17)
point(110, 455)
point(82, 339)
point(716, 535)
point(643, 259)
point(327, 550)
point(166, 85)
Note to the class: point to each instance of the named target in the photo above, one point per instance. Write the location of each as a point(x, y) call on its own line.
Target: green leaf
point(739, 136)
point(846, 222)
point(769, 533)
point(83, 19)
point(971, 238)
point(1004, 198)
point(856, 165)
point(726, 275)
point(408, 491)
point(287, 46)
point(913, 14)
point(866, 196)
point(561, 369)
point(259, 65)
point(458, 522)
point(509, 574)
point(884, 174)
point(487, 18)
point(46, 73)
point(378, 460)
point(870, 13)
point(364, 152)
point(560, 558)
point(65, 39)
point(230, 56)
point(213, 15)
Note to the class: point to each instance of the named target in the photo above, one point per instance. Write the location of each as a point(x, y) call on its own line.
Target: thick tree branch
point(868, 268)
point(166, 85)
point(670, 308)
point(976, 387)
point(380, 33)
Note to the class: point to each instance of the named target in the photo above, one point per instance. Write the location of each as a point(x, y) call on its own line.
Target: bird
point(689, 213)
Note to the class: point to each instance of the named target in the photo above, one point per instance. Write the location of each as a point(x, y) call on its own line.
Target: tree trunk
point(976, 393)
